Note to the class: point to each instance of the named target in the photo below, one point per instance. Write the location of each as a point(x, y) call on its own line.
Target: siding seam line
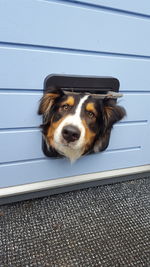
point(101, 7)
point(70, 50)
point(38, 129)
point(17, 162)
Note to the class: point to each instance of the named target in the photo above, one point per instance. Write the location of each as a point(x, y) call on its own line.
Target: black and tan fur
point(90, 119)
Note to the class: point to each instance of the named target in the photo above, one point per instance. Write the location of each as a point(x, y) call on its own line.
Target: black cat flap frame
point(100, 86)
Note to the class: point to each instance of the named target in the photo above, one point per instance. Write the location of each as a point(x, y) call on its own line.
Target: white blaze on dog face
point(72, 150)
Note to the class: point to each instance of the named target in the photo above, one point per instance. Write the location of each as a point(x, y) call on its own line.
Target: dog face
point(77, 124)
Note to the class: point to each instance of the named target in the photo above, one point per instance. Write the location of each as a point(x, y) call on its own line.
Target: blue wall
point(88, 37)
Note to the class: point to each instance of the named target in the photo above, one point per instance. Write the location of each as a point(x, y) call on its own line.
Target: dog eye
point(66, 107)
point(90, 114)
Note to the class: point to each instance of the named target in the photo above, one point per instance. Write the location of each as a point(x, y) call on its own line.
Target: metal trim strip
point(68, 181)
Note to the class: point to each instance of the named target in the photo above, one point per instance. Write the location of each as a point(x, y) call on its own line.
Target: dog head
point(74, 125)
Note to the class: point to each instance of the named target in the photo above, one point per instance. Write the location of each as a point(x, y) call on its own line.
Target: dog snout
point(71, 133)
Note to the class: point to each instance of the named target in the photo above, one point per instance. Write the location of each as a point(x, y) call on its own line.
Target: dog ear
point(48, 100)
point(111, 114)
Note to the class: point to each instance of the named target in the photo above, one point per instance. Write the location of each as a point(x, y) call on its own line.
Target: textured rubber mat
point(106, 226)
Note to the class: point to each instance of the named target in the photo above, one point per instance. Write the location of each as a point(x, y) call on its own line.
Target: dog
point(77, 124)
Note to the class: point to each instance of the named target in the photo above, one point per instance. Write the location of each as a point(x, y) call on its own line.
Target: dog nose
point(70, 133)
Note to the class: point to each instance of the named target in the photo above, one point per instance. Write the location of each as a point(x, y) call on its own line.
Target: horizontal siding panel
point(32, 66)
point(20, 145)
point(40, 170)
point(137, 6)
point(20, 109)
point(24, 145)
point(66, 25)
